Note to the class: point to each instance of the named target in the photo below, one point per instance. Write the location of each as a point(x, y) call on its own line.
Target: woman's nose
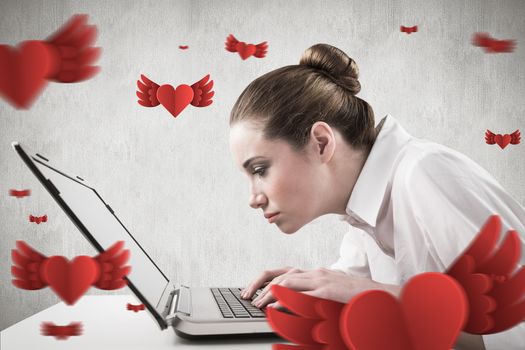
point(257, 200)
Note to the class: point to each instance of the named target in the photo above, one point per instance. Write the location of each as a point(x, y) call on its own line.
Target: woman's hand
point(323, 283)
point(265, 278)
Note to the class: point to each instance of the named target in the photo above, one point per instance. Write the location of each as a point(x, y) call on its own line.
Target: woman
point(309, 148)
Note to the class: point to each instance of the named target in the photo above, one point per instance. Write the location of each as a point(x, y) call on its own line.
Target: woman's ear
point(323, 139)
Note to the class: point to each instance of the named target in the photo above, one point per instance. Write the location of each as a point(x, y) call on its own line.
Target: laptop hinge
point(173, 298)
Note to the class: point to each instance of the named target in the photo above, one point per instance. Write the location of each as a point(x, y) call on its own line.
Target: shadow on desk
point(233, 340)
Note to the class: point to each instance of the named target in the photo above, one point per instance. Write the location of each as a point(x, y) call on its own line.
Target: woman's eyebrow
point(247, 163)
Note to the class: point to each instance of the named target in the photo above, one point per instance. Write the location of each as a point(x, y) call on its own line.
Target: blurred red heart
point(431, 312)
point(70, 279)
point(23, 71)
point(244, 50)
point(502, 140)
point(175, 100)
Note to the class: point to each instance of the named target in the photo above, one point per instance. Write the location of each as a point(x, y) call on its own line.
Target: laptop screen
point(106, 229)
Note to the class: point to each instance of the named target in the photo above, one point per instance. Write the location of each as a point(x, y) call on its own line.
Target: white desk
point(107, 324)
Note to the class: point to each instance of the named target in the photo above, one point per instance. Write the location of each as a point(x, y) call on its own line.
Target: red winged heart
point(246, 50)
point(24, 71)
point(19, 193)
point(408, 30)
point(135, 308)
point(481, 293)
point(491, 45)
point(429, 316)
point(38, 219)
point(490, 276)
point(69, 279)
point(61, 332)
point(503, 140)
point(64, 57)
point(199, 94)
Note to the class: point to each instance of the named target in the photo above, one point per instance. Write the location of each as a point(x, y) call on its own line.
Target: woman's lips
point(272, 217)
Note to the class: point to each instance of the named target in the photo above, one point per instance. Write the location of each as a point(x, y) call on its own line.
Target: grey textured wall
point(172, 181)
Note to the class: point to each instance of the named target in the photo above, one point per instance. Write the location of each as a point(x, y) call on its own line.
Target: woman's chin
point(288, 229)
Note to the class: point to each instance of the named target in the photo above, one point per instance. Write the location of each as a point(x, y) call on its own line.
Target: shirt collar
point(369, 190)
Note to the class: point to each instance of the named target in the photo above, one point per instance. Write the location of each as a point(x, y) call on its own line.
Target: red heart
point(23, 71)
point(429, 316)
point(70, 280)
point(175, 100)
point(244, 50)
point(502, 140)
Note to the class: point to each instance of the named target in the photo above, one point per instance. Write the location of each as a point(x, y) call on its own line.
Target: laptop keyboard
point(233, 306)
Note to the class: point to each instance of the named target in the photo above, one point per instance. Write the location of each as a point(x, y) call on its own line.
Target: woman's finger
point(266, 276)
point(278, 306)
point(266, 289)
point(264, 300)
point(296, 283)
point(278, 280)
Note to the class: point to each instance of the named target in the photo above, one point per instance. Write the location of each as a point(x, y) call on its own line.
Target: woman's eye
point(259, 171)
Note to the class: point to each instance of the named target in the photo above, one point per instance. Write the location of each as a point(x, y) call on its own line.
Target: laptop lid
point(98, 223)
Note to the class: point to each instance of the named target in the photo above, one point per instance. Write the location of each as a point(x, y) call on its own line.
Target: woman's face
point(284, 183)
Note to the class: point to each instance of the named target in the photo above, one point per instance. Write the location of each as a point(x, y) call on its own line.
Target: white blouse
point(415, 207)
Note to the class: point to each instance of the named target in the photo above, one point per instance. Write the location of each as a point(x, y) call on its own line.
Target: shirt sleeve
point(451, 197)
point(352, 254)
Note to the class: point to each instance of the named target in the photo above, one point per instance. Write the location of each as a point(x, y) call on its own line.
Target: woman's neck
point(348, 164)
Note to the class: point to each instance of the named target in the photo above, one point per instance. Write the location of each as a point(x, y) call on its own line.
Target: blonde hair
point(286, 102)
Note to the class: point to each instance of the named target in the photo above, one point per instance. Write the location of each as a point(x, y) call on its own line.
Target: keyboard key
point(232, 305)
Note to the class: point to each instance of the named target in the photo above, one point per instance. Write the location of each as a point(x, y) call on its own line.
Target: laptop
point(193, 313)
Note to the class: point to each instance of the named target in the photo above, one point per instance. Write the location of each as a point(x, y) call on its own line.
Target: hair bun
point(334, 62)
